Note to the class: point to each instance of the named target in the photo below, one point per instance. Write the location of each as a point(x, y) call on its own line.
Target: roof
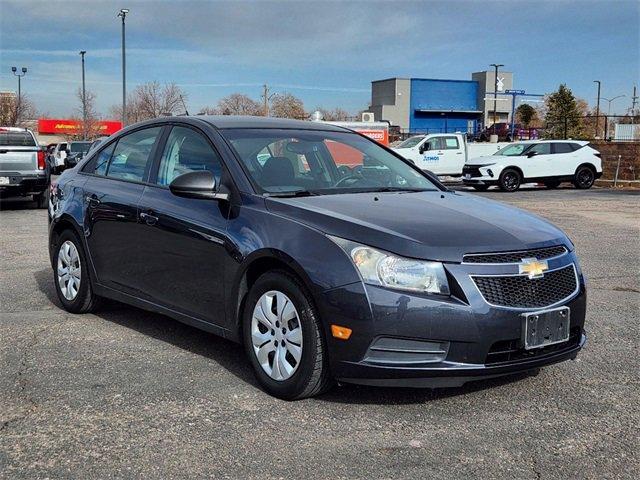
point(236, 121)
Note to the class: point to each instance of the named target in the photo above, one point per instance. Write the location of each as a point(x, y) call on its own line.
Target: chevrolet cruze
point(327, 255)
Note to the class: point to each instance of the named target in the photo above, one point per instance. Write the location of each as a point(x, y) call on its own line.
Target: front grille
point(520, 291)
point(472, 171)
point(515, 257)
point(506, 351)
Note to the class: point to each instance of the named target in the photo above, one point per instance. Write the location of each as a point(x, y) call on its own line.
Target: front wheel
point(283, 338)
point(71, 275)
point(509, 180)
point(584, 178)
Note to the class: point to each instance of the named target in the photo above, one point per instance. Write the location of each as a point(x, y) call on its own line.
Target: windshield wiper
point(295, 193)
point(400, 189)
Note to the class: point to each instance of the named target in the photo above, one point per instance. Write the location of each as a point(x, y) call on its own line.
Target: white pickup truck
point(444, 153)
point(23, 169)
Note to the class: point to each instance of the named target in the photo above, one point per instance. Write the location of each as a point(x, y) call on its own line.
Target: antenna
point(184, 106)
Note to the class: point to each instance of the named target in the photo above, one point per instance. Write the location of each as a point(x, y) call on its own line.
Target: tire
point(509, 180)
point(552, 185)
point(84, 300)
point(295, 379)
point(480, 188)
point(584, 178)
point(41, 200)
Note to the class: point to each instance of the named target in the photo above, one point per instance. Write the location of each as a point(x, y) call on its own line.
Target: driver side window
point(541, 149)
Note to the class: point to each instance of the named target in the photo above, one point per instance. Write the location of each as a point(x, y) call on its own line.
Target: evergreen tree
point(563, 118)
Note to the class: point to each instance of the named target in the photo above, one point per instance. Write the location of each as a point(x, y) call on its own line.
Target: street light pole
point(19, 100)
point(597, 106)
point(123, 13)
point(84, 100)
point(611, 100)
point(495, 94)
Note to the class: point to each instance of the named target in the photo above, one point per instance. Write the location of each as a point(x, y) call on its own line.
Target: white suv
point(548, 161)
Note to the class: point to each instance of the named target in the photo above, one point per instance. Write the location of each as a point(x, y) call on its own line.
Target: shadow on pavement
point(19, 203)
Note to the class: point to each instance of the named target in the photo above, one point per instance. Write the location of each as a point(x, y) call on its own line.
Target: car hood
point(429, 225)
point(486, 160)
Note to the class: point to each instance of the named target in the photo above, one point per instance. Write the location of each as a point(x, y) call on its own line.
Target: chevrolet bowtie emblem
point(533, 267)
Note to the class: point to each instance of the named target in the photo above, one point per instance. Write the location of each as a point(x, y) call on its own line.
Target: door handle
point(148, 218)
point(92, 200)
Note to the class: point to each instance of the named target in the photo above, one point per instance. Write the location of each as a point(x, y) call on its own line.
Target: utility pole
point(266, 98)
point(19, 100)
point(84, 100)
point(123, 13)
point(634, 100)
point(597, 106)
point(495, 94)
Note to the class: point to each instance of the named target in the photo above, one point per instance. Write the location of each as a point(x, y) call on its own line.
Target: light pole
point(19, 75)
point(84, 100)
point(123, 13)
point(611, 100)
point(597, 106)
point(495, 93)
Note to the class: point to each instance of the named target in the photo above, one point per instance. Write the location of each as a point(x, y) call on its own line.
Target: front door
point(538, 165)
point(111, 193)
point(183, 245)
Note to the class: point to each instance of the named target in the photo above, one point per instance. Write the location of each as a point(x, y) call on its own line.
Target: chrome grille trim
point(532, 253)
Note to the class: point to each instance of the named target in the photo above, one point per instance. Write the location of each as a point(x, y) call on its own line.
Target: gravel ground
point(125, 393)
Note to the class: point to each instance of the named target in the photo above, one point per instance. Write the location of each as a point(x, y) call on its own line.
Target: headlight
point(385, 269)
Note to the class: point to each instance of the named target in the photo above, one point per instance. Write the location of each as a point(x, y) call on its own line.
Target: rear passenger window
point(451, 143)
point(187, 151)
point(131, 157)
point(562, 148)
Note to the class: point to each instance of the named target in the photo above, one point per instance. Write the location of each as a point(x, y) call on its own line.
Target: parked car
point(97, 142)
point(23, 168)
point(76, 151)
point(444, 153)
point(381, 277)
point(550, 162)
point(59, 155)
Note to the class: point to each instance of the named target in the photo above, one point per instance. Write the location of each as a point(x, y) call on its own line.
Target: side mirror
point(532, 154)
point(199, 184)
point(424, 147)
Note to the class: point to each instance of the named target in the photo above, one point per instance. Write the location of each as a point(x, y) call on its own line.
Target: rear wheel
point(41, 200)
point(509, 180)
point(481, 188)
point(283, 338)
point(584, 178)
point(71, 275)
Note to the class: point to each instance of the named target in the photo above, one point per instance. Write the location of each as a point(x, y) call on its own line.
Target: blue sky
point(326, 53)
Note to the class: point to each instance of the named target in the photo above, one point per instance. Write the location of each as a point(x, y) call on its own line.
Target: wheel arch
point(513, 167)
point(61, 224)
point(586, 164)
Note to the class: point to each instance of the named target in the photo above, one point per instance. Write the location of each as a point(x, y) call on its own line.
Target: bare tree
point(234, 104)
point(90, 128)
point(285, 105)
point(151, 100)
point(335, 115)
point(14, 113)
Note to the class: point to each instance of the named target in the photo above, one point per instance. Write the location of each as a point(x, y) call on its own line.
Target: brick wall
point(629, 159)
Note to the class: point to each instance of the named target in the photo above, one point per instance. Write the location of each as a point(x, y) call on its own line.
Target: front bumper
point(472, 340)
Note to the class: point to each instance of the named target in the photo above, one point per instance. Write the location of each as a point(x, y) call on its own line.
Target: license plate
point(467, 176)
point(546, 328)
point(4, 181)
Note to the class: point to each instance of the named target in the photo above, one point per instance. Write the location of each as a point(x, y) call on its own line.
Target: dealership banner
point(73, 127)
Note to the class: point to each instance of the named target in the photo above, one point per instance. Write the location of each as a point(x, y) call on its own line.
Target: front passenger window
point(132, 155)
point(187, 151)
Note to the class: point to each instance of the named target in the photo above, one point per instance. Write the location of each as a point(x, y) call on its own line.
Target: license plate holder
point(546, 327)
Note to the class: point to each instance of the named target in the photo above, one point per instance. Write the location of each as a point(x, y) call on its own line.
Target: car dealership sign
point(73, 127)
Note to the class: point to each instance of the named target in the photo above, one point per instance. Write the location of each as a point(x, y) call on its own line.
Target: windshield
point(411, 142)
point(514, 149)
point(79, 147)
point(317, 162)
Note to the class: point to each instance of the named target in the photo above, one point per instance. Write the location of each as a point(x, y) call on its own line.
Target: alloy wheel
point(510, 181)
point(585, 177)
point(69, 270)
point(276, 335)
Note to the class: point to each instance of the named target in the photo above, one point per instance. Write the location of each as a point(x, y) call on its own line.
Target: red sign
point(73, 127)
point(379, 135)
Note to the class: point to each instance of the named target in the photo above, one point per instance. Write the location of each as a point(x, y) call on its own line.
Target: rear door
point(564, 159)
point(116, 179)
point(451, 156)
point(182, 245)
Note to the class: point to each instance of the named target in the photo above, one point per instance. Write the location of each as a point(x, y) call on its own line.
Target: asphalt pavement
point(124, 393)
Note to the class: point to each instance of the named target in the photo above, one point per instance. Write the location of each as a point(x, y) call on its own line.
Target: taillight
point(41, 162)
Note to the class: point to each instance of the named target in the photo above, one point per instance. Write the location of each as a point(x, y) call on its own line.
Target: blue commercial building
point(424, 105)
